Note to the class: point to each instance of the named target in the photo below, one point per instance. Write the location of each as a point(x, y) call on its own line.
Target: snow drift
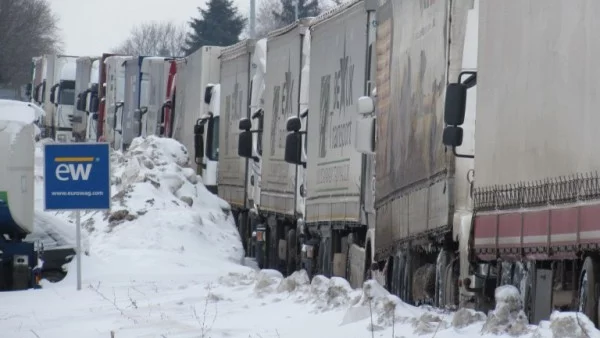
point(161, 212)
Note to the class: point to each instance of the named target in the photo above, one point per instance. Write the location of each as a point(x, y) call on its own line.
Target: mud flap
point(339, 265)
point(542, 296)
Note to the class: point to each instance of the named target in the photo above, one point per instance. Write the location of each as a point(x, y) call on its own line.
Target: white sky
point(91, 27)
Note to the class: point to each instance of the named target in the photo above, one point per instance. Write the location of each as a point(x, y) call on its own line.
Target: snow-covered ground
point(167, 262)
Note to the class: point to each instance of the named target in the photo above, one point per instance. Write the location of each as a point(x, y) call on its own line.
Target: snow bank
point(163, 220)
point(508, 316)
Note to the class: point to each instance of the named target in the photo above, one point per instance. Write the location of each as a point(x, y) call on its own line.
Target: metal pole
point(296, 9)
point(78, 235)
point(252, 19)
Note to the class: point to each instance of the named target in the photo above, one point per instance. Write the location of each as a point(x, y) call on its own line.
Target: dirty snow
point(167, 262)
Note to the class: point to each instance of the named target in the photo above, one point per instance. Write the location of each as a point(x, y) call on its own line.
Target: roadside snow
point(167, 262)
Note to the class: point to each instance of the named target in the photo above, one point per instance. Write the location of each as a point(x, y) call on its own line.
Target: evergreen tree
point(219, 25)
point(306, 8)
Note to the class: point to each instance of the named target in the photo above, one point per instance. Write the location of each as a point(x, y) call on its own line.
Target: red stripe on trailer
point(509, 230)
point(486, 231)
point(536, 228)
point(563, 226)
point(589, 224)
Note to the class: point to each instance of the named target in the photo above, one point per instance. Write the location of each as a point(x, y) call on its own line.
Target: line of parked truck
point(347, 144)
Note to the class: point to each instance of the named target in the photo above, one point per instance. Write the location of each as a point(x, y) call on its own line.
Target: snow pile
point(568, 324)
point(162, 219)
point(508, 316)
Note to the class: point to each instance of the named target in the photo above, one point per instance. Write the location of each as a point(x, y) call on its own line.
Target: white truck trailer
point(338, 188)
point(115, 99)
point(86, 75)
point(197, 102)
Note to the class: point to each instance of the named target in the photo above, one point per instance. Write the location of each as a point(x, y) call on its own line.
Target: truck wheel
point(291, 252)
point(587, 290)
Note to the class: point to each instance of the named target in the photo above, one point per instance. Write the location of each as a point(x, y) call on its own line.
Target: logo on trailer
point(342, 98)
point(282, 107)
point(74, 168)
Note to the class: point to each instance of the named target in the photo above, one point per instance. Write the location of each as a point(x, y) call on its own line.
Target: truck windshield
point(67, 97)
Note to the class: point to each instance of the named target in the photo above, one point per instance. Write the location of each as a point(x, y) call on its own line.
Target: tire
point(588, 299)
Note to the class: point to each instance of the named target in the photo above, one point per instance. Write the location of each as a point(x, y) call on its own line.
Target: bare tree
point(154, 39)
point(266, 21)
point(27, 29)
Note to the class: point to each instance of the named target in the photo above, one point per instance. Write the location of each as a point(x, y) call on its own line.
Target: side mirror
point(245, 144)
point(245, 124)
point(365, 105)
point(453, 136)
point(293, 124)
point(455, 108)
point(364, 141)
point(456, 104)
point(95, 117)
point(293, 149)
point(208, 94)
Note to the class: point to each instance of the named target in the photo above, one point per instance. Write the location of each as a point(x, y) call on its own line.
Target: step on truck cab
point(18, 259)
point(197, 102)
point(337, 188)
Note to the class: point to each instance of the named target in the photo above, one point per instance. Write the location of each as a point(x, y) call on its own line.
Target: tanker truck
point(19, 260)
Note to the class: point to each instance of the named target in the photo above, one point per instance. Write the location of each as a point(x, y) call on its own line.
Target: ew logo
point(73, 171)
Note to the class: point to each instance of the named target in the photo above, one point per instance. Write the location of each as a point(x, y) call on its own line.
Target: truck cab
point(63, 97)
point(115, 99)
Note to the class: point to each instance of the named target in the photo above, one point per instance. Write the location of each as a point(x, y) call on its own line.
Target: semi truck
point(115, 99)
point(197, 109)
point(54, 70)
point(86, 78)
point(422, 204)
point(464, 205)
point(232, 175)
point(335, 221)
point(275, 207)
point(19, 267)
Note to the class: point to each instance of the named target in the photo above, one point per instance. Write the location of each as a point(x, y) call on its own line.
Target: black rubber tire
point(588, 304)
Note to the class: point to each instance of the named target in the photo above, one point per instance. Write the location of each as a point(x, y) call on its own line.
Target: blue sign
point(77, 176)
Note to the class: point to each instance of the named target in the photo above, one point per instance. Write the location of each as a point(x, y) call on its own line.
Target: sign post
point(76, 178)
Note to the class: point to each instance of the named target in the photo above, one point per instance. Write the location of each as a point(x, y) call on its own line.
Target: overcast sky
point(91, 27)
